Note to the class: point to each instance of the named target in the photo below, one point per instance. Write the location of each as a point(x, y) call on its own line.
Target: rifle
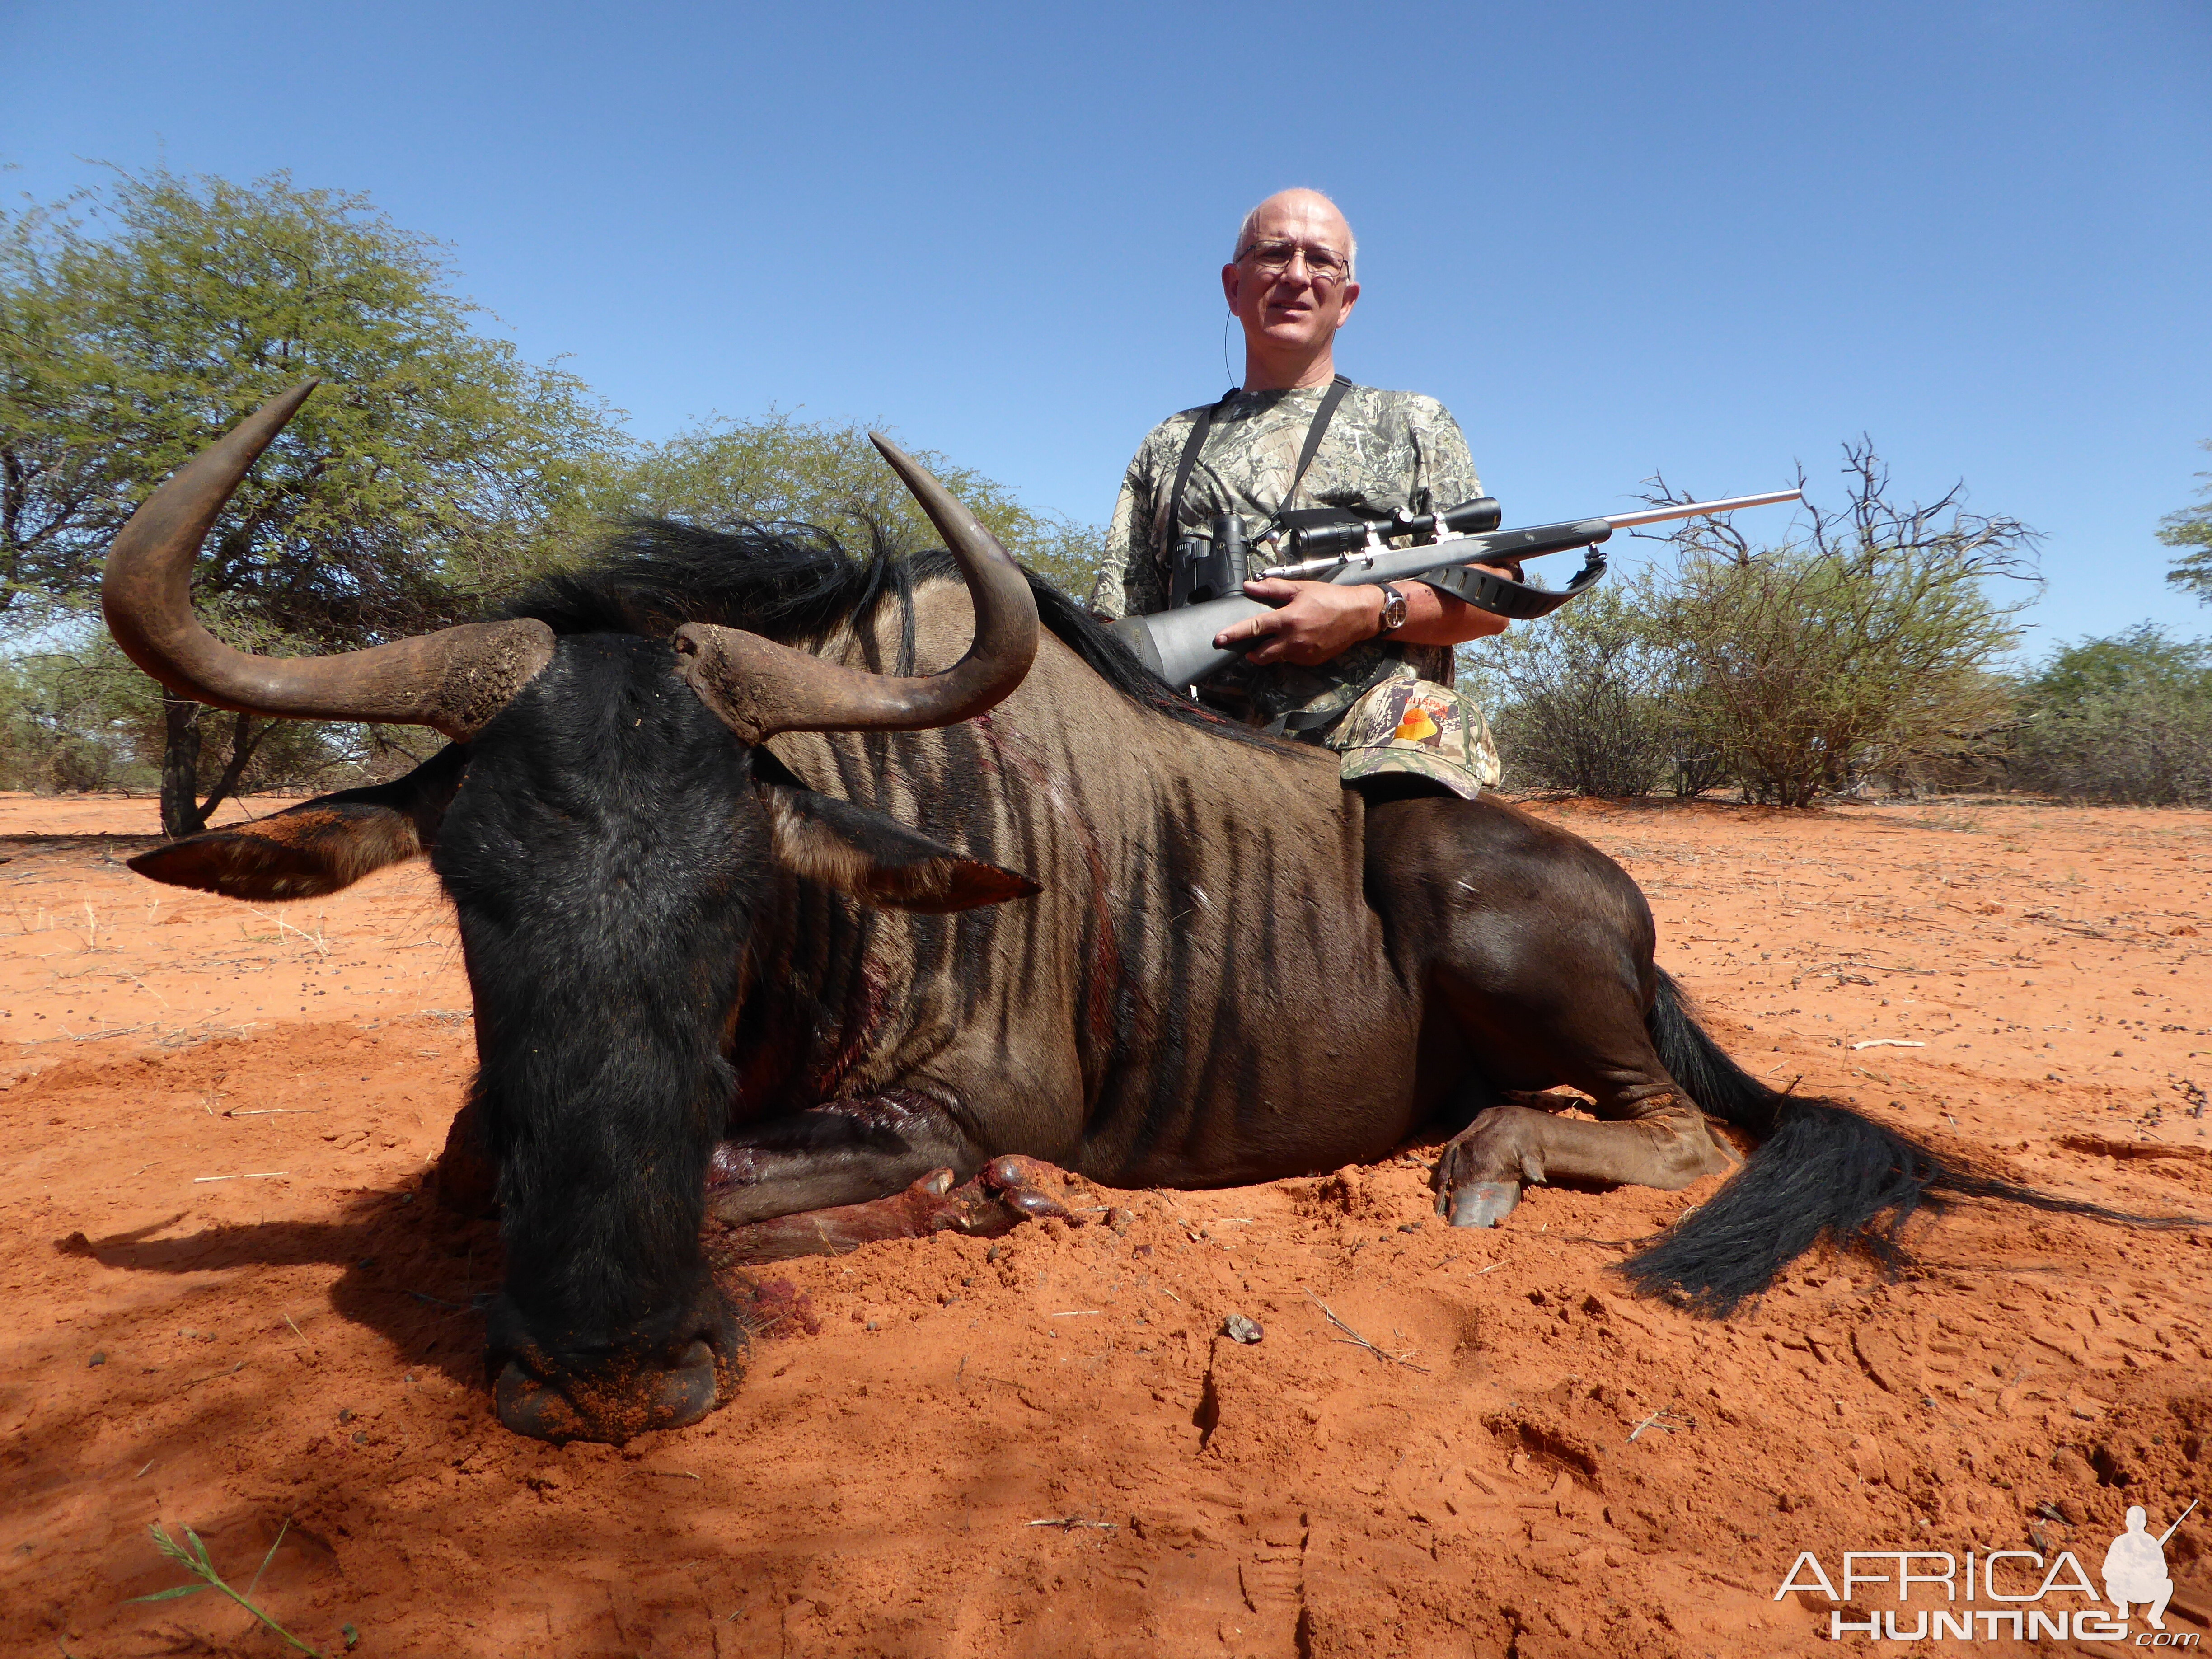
point(1337, 546)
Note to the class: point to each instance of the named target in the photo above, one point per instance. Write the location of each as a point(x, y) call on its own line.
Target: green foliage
point(407, 483)
point(434, 469)
point(1579, 701)
point(1863, 645)
point(77, 716)
point(2127, 718)
point(2190, 529)
point(138, 325)
point(192, 1555)
point(780, 469)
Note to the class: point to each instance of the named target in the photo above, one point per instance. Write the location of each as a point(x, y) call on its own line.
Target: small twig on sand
point(259, 1175)
point(320, 945)
point(1355, 1339)
point(148, 989)
point(680, 1474)
point(1070, 1522)
point(1657, 1420)
point(97, 1037)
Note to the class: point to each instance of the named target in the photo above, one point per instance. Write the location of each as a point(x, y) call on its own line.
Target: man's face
point(1296, 309)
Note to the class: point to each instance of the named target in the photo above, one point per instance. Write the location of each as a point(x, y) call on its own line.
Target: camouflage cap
point(1418, 727)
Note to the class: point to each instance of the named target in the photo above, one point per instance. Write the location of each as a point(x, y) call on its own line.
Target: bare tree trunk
point(180, 768)
point(183, 812)
point(245, 738)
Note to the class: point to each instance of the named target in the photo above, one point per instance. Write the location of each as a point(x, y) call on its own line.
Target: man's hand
point(1316, 621)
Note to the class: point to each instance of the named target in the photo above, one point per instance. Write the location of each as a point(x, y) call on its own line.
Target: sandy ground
point(229, 1304)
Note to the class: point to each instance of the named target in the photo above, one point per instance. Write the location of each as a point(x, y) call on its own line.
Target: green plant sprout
point(193, 1557)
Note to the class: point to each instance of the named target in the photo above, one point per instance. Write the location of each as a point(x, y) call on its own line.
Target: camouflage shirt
point(1385, 450)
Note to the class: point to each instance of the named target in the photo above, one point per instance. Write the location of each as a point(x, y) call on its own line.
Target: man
point(1365, 668)
point(2135, 1571)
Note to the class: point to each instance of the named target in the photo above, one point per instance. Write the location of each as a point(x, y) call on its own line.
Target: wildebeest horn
point(759, 688)
point(454, 680)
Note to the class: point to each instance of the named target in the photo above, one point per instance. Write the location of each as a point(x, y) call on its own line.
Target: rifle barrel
point(1696, 509)
point(2176, 1527)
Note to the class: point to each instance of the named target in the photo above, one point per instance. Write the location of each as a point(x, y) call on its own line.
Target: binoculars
point(1208, 567)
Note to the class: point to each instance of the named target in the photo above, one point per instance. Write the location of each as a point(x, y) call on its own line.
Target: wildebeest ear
point(318, 846)
point(877, 860)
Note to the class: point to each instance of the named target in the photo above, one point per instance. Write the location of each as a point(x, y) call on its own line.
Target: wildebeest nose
point(611, 1410)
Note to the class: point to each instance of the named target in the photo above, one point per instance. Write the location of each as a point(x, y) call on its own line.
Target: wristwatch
point(1393, 609)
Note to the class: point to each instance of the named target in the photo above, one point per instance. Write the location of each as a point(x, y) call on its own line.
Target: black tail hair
point(1821, 1170)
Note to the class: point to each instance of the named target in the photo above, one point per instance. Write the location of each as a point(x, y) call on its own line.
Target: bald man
point(1365, 668)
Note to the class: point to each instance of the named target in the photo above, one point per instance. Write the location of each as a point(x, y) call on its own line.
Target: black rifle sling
point(1203, 424)
point(1192, 444)
point(1315, 434)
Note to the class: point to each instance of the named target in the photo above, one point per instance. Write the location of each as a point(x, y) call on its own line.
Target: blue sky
point(1615, 239)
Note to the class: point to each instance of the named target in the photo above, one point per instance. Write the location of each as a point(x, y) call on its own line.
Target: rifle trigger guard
point(1501, 596)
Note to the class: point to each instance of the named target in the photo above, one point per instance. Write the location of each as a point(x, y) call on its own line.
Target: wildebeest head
point(606, 844)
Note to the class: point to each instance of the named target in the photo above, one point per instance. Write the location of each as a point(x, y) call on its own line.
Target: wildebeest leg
point(1537, 949)
point(1005, 1192)
point(841, 1152)
point(1664, 1144)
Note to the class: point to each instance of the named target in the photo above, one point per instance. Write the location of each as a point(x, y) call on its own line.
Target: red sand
point(290, 1340)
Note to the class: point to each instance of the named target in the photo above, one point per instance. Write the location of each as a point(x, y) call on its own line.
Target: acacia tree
point(139, 323)
point(1861, 644)
point(777, 470)
point(2190, 529)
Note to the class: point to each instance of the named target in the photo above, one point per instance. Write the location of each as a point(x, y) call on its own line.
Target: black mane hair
point(794, 584)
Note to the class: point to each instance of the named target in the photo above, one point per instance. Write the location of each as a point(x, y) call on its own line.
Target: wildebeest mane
point(796, 584)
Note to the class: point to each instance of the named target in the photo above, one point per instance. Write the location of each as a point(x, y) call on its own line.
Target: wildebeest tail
point(1821, 1171)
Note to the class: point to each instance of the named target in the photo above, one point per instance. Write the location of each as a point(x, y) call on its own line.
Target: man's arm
point(1317, 621)
point(1129, 583)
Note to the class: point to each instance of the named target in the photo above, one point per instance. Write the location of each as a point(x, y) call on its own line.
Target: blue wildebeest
point(769, 931)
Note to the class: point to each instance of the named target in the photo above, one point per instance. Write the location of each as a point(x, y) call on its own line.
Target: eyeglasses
point(1325, 267)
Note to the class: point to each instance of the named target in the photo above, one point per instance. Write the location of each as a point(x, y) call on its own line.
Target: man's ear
point(318, 846)
point(878, 860)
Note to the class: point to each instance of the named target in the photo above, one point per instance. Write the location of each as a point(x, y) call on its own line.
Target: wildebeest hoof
point(1018, 1183)
point(613, 1409)
point(1479, 1203)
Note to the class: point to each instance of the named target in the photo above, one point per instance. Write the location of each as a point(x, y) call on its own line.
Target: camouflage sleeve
point(1441, 461)
point(1129, 576)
